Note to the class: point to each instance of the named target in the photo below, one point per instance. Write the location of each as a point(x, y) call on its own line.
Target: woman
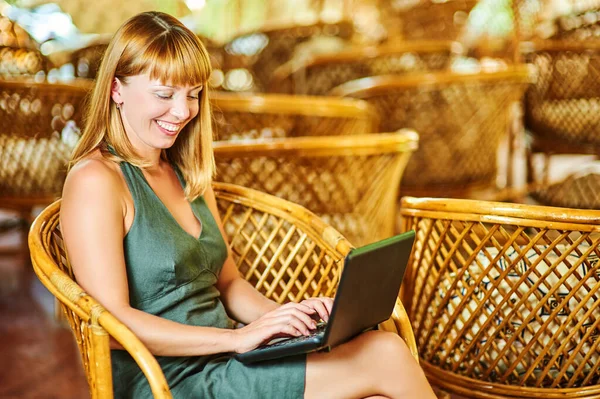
point(140, 223)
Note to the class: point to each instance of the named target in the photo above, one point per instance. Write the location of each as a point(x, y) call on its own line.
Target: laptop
point(366, 296)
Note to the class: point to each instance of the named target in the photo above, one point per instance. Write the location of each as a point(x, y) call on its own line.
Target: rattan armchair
point(318, 74)
point(425, 19)
point(274, 115)
point(562, 113)
point(351, 182)
point(284, 250)
point(261, 52)
point(461, 120)
point(504, 298)
point(38, 129)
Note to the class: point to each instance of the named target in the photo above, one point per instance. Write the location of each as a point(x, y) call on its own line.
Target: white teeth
point(168, 126)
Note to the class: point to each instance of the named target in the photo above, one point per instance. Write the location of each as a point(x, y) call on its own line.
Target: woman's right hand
point(291, 319)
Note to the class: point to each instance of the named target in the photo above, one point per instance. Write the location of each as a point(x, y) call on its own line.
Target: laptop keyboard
point(319, 330)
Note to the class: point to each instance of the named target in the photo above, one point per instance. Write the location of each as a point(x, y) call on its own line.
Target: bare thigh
point(375, 363)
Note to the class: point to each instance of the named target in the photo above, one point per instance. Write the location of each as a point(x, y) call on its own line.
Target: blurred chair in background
point(561, 110)
point(13, 35)
point(86, 60)
point(282, 249)
point(39, 126)
point(318, 74)
point(22, 61)
point(251, 58)
point(424, 19)
point(351, 182)
point(461, 120)
point(274, 116)
point(504, 298)
point(562, 116)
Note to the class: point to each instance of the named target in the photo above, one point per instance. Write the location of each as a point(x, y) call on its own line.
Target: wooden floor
point(38, 357)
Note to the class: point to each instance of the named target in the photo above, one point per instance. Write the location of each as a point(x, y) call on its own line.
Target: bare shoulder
point(92, 180)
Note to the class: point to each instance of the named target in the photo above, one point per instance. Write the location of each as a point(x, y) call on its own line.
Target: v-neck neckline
point(182, 183)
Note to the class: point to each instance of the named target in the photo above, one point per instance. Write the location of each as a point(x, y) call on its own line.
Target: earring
point(118, 106)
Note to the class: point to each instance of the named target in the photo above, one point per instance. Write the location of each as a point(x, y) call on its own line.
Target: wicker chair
point(561, 111)
point(86, 60)
point(261, 52)
point(284, 250)
point(13, 35)
point(424, 19)
point(504, 298)
point(272, 115)
point(351, 182)
point(38, 126)
point(21, 61)
point(461, 119)
point(318, 74)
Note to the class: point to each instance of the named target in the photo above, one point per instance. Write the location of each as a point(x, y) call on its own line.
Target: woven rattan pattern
point(21, 61)
point(318, 75)
point(351, 187)
point(425, 19)
point(564, 103)
point(504, 297)
point(279, 47)
point(582, 192)
point(460, 119)
point(276, 116)
point(276, 256)
point(86, 60)
point(39, 123)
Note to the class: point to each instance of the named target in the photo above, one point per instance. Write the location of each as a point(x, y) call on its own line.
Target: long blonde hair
point(158, 44)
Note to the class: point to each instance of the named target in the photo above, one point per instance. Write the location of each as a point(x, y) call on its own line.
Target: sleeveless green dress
point(173, 275)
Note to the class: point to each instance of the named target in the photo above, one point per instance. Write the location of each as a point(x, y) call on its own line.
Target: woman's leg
point(374, 363)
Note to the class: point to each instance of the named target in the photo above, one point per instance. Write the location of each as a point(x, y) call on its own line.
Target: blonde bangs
point(173, 59)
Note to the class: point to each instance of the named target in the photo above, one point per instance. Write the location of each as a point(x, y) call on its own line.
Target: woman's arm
point(92, 221)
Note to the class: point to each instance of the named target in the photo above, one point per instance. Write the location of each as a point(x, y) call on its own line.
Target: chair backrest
point(461, 119)
point(272, 115)
point(261, 52)
point(559, 107)
point(284, 250)
point(425, 19)
point(13, 35)
point(318, 74)
point(86, 60)
point(505, 298)
point(39, 125)
point(351, 182)
point(21, 61)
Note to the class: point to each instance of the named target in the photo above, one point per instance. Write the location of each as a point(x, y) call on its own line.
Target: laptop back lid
point(369, 286)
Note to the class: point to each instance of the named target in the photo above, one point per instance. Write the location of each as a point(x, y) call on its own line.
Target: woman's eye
point(193, 97)
point(163, 96)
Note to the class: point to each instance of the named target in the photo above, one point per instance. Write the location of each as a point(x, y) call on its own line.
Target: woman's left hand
point(321, 305)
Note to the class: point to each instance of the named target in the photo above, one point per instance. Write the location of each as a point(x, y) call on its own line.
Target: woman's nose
point(180, 109)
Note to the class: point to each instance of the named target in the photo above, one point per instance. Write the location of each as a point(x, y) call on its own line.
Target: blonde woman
point(141, 226)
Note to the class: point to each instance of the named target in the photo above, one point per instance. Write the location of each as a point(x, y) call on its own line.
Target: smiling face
point(153, 112)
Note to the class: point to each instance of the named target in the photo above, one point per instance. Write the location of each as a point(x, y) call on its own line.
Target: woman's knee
point(386, 344)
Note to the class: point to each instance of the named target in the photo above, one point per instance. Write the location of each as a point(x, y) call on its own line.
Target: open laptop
point(366, 296)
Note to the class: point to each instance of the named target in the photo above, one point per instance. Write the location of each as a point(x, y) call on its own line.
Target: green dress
point(172, 274)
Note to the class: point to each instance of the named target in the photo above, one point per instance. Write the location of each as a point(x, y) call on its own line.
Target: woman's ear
point(115, 91)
